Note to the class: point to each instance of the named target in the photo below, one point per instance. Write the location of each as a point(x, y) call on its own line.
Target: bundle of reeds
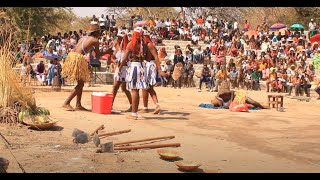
point(14, 96)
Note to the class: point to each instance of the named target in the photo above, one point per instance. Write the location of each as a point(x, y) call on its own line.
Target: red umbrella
point(315, 38)
point(251, 33)
point(141, 23)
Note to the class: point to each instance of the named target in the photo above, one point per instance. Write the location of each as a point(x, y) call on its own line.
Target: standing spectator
point(102, 23)
point(131, 23)
point(190, 24)
point(113, 21)
point(167, 23)
point(312, 28)
point(199, 21)
point(235, 25)
point(246, 26)
point(178, 58)
point(93, 20)
point(107, 23)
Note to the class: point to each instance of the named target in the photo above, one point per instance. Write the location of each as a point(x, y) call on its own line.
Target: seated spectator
point(303, 56)
point(171, 34)
point(53, 71)
point(303, 85)
point(205, 76)
point(194, 39)
point(164, 68)
point(221, 75)
point(272, 79)
point(282, 80)
point(41, 72)
point(312, 73)
point(197, 55)
point(233, 75)
point(188, 55)
point(162, 54)
point(292, 81)
point(292, 56)
point(207, 53)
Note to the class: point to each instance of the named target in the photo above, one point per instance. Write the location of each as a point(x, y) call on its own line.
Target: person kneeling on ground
point(224, 99)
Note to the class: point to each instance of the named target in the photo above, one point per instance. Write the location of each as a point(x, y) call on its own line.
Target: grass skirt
point(75, 67)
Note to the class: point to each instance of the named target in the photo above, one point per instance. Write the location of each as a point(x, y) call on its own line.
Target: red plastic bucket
point(101, 102)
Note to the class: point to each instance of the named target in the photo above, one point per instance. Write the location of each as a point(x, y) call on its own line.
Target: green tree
point(34, 22)
point(305, 14)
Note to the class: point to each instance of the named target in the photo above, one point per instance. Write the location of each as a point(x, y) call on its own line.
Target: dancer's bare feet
point(80, 108)
point(68, 107)
point(157, 110)
point(144, 111)
point(132, 117)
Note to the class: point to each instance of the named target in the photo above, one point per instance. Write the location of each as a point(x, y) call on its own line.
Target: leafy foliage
point(39, 21)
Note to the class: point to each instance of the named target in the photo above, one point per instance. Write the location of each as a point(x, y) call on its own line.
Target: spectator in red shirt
point(199, 21)
point(246, 26)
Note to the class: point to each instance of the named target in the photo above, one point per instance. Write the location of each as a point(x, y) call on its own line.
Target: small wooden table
point(275, 100)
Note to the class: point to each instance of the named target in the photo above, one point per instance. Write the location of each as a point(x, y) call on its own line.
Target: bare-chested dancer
point(76, 67)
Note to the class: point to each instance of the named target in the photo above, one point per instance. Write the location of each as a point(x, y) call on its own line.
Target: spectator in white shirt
point(194, 39)
point(312, 28)
point(102, 22)
point(235, 25)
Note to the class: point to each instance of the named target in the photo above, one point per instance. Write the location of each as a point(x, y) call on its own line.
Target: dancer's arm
point(155, 55)
point(125, 57)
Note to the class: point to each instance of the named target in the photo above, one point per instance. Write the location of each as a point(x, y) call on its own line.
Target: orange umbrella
point(251, 33)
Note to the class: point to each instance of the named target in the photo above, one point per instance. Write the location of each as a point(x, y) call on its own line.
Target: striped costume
point(151, 73)
point(135, 76)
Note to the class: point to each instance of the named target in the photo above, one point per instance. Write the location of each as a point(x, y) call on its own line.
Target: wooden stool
point(275, 100)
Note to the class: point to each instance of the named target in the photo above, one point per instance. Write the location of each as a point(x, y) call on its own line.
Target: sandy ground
point(258, 141)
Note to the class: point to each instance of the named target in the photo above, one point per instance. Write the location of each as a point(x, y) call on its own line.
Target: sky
point(89, 11)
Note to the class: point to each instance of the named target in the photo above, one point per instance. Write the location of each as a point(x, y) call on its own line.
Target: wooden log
point(143, 140)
